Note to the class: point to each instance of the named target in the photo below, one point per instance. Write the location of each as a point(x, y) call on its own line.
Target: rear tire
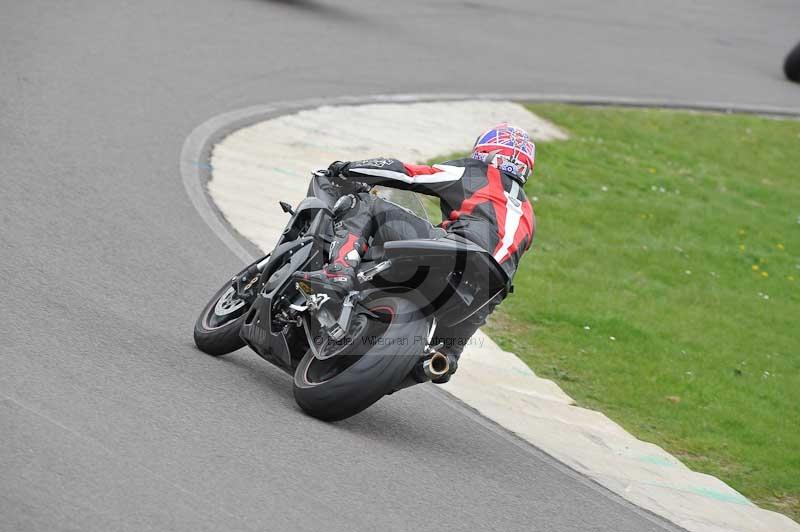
point(390, 358)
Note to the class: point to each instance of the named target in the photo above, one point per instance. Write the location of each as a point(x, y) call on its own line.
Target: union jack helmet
point(508, 148)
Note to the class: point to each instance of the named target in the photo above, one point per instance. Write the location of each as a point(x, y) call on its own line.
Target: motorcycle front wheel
point(381, 352)
point(216, 331)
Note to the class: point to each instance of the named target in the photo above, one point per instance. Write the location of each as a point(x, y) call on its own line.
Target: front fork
point(245, 282)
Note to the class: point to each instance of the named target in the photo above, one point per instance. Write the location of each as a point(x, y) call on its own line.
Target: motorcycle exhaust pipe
point(436, 366)
point(433, 367)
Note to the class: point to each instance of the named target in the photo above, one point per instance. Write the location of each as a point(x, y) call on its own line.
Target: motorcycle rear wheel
point(368, 368)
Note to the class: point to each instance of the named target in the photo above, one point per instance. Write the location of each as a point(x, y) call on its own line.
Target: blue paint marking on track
point(657, 460)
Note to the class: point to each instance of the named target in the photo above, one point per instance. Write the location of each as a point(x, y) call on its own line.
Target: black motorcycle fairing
point(280, 255)
point(454, 278)
point(323, 190)
point(308, 218)
point(272, 340)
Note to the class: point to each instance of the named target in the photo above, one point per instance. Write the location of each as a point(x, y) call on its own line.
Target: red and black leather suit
point(478, 202)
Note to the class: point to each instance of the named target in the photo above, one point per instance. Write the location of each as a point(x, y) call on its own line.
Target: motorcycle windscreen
point(424, 207)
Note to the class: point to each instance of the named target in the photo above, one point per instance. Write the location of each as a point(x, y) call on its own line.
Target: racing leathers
point(479, 202)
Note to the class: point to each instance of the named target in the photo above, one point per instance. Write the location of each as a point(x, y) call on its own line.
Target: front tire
point(216, 331)
point(331, 394)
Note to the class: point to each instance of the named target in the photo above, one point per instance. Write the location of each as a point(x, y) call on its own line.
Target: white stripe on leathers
point(446, 173)
point(513, 216)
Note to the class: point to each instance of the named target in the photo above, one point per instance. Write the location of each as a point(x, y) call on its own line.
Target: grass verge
point(664, 285)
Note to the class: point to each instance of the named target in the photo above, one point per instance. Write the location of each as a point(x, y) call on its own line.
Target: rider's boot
point(338, 277)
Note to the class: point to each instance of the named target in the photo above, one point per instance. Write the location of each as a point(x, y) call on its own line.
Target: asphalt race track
point(109, 418)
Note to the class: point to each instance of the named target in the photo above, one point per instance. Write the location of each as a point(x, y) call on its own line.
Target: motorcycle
point(346, 353)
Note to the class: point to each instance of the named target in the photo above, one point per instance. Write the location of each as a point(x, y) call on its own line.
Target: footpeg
point(368, 275)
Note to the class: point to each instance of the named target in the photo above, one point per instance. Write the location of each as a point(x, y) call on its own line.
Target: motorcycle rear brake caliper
point(337, 329)
point(315, 304)
point(343, 324)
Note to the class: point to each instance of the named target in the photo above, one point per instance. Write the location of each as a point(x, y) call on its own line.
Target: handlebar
point(353, 186)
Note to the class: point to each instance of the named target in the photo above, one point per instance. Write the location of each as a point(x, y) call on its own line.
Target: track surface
point(110, 420)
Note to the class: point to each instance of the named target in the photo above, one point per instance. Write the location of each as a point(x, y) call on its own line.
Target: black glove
point(336, 167)
point(348, 186)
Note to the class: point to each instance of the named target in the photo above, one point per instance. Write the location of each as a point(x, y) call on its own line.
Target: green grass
point(663, 287)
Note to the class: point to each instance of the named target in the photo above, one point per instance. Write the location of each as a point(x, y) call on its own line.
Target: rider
point(481, 199)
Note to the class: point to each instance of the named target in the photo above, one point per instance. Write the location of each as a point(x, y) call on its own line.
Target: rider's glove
point(348, 186)
point(336, 167)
